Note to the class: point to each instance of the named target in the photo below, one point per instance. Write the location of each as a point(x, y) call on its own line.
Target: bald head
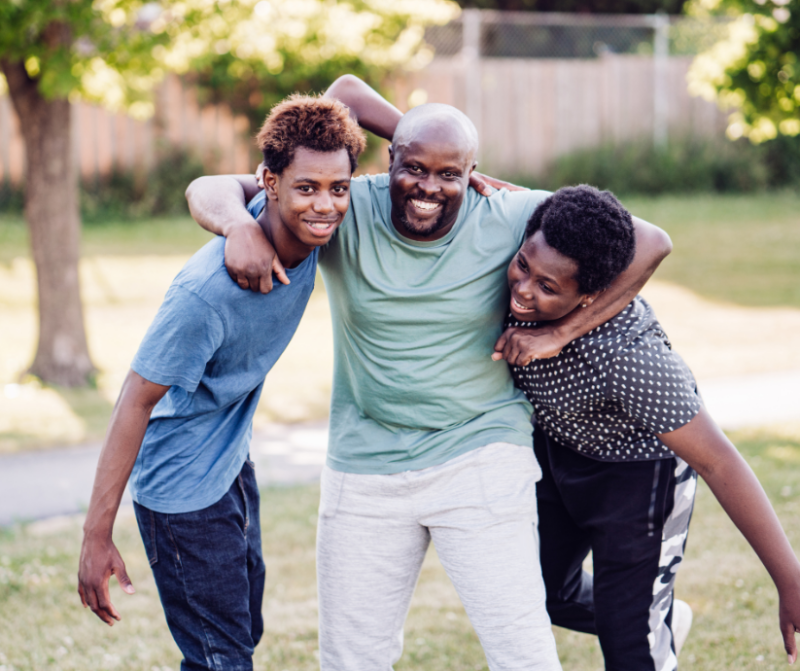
point(435, 121)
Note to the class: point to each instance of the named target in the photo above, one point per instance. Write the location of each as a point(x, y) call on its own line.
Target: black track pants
point(634, 517)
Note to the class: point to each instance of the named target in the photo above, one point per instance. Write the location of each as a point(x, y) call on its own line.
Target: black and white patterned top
point(608, 393)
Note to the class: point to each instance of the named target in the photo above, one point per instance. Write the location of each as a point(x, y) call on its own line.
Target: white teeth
point(320, 226)
point(519, 305)
point(424, 204)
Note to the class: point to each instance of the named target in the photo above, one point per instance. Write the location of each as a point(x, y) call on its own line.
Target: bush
point(685, 165)
point(125, 194)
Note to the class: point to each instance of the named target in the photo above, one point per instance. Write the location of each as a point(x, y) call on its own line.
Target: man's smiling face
point(428, 177)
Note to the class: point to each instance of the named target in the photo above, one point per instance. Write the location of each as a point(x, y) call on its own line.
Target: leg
point(638, 537)
point(481, 510)
point(369, 554)
point(200, 561)
point(256, 569)
point(563, 547)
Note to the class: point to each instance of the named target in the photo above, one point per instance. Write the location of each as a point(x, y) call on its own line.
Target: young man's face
point(428, 177)
point(312, 194)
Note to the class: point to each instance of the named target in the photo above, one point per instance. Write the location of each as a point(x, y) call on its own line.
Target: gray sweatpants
point(480, 510)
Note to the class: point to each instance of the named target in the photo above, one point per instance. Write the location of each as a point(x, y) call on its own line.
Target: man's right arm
point(218, 204)
point(99, 556)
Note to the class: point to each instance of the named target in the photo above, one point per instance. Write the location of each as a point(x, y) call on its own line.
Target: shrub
point(684, 165)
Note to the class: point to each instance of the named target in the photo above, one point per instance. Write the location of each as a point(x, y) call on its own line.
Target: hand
point(99, 560)
point(251, 259)
point(484, 184)
point(789, 615)
point(519, 346)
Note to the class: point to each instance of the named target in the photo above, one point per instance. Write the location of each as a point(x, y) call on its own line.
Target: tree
point(115, 51)
point(580, 6)
point(755, 69)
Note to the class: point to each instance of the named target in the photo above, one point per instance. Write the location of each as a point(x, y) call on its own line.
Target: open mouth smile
point(321, 228)
point(520, 307)
point(424, 205)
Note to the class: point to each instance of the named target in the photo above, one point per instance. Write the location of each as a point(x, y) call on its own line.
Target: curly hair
point(592, 228)
point(319, 124)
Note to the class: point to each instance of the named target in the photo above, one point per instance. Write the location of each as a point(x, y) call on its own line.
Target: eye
point(415, 169)
point(546, 288)
point(305, 188)
point(451, 175)
point(340, 190)
point(522, 263)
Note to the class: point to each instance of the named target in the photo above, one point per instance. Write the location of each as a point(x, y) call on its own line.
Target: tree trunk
point(51, 210)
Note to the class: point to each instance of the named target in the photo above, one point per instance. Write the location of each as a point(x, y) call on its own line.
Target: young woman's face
point(543, 282)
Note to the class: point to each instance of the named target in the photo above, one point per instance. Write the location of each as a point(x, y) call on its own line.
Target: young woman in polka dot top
point(620, 433)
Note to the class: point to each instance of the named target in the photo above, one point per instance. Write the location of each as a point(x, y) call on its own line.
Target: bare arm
point(218, 205)
point(519, 346)
point(707, 449)
point(99, 557)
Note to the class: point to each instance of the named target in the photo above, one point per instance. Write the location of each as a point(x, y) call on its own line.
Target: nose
point(323, 203)
point(525, 288)
point(429, 184)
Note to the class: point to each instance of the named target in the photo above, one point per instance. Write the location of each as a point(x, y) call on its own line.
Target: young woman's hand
point(789, 615)
point(519, 346)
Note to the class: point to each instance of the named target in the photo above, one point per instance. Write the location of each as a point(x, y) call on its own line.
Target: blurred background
point(109, 108)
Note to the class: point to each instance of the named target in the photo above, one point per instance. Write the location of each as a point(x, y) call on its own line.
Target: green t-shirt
point(414, 328)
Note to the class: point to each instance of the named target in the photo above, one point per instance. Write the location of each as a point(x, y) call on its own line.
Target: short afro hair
point(319, 124)
point(592, 228)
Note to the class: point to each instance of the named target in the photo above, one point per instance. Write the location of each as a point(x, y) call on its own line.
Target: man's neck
point(289, 249)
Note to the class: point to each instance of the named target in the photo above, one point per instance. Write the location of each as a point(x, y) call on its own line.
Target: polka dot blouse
point(609, 392)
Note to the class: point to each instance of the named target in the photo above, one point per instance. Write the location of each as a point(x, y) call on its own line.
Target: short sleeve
point(519, 206)
point(653, 385)
point(180, 342)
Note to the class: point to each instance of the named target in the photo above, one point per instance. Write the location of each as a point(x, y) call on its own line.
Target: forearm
point(652, 246)
point(741, 496)
point(121, 446)
point(373, 111)
point(218, 203)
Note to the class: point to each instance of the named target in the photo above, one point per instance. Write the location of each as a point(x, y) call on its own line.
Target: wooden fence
point(528, 112)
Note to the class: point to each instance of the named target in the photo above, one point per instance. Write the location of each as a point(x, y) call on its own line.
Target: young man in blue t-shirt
point(180, 431)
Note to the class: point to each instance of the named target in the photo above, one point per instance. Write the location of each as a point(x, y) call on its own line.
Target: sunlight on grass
point(734, 602)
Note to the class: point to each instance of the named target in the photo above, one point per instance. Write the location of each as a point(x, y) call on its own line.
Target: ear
point(260, 175)
point(270, 181)
point(588, 299)
point(391, 157)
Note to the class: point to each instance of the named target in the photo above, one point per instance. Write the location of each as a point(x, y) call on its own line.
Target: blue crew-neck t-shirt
point(213, 343)
point(414, 327)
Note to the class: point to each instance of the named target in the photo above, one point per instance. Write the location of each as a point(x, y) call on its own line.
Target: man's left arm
point(519, 346)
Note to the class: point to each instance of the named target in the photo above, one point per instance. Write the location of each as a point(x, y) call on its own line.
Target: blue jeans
point(210, 576)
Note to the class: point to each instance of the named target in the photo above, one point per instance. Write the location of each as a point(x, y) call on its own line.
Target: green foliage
point(267, 50)
point(686, 165)
point(755, 69)
point(125, 194)
point(582, 6)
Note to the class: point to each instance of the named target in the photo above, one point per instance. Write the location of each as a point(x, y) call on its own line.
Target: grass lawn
point(44, 626)
point(742, 250)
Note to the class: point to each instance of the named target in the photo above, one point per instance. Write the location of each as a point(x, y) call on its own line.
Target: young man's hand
point(99, 561)
point(485, 185)
point(519, 346)
point(251, 260)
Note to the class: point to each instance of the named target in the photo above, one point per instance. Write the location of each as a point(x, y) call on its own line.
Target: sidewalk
point(37, 485)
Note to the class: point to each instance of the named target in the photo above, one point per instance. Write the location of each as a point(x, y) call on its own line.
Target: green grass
point(742, 249)
point(44, 626)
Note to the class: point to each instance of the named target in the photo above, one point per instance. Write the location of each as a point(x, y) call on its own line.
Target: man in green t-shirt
point(429, 438)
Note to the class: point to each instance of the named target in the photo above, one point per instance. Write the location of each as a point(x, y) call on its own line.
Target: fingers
point(788, 630)
point(124, 580)
point(500, 345)
point(280, 273)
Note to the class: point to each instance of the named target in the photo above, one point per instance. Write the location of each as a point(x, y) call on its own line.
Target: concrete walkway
point(38, 485)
